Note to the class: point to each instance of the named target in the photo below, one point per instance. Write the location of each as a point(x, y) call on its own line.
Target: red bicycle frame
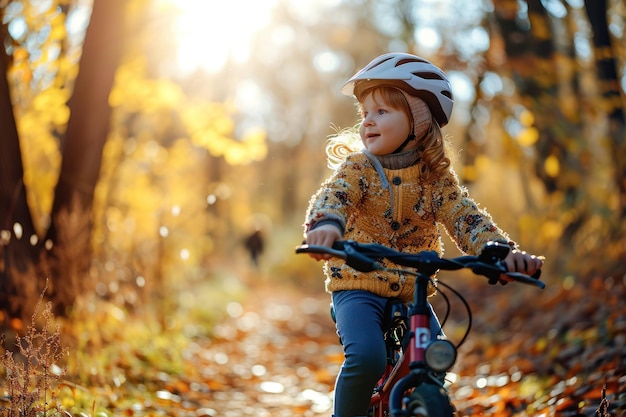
point(400, 370)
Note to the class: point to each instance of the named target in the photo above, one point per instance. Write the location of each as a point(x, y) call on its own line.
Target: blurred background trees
point(142, 140)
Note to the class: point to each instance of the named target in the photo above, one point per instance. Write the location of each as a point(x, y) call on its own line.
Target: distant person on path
point(394, 185)
point(255, 244)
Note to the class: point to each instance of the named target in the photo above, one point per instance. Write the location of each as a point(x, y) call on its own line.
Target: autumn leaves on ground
point(243, 345)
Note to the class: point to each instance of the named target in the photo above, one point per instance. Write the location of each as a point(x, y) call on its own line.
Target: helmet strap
point(406, 142)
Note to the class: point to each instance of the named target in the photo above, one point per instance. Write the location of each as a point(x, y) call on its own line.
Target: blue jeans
point(360, 316)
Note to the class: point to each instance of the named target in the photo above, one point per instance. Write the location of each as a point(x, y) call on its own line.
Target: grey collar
point(399, 160)
point(393, 161)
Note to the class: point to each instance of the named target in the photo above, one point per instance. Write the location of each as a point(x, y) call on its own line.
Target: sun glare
point(209, 32)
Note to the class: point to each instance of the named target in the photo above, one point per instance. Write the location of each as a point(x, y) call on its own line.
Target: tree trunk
point(18, 253)
point(606, 65)
point(87, 131)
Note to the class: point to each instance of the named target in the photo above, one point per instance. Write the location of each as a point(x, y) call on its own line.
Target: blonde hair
point(433, 150)
point(341, 144)
point(432, 147)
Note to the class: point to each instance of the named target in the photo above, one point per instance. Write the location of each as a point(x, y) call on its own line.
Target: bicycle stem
point(419, 314)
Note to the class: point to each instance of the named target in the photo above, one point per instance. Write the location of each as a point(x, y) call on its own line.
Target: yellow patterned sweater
point(399, 209)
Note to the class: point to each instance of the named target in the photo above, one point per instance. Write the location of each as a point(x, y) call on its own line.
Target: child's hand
point(324, 235)
point(518, 261)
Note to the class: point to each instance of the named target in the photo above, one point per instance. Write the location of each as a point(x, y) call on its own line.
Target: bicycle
point(415, 387)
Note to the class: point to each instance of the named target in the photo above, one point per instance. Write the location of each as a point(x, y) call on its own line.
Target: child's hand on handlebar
point(519, 261)
point(324, 235)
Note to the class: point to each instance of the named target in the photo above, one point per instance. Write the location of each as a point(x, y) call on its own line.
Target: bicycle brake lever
point(494, 277)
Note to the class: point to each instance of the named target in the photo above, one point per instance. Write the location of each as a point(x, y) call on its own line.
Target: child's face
point(383, 128)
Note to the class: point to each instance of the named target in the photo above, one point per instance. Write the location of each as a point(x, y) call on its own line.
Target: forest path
point(276, 354)
point(529, 354)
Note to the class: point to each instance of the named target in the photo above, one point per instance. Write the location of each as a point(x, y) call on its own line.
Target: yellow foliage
point(482, 163)
point(208, 124)
point(526, 118)
point(133, 92)
point(552, 166)
point(36, 123)
point(68, 70)
point(255, 139)
point(539, 26)
point(224, 125)
point(551, 230)
point(58, 31)
point(470, 173)
point(207, 116)
point(528, 136)
point(20, 54)
point(211, 127)
point(51, 106)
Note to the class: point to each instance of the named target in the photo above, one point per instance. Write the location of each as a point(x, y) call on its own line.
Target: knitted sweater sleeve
point(469, 226)
point(341, 191)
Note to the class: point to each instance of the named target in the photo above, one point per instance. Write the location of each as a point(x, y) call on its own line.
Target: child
point(397, 190)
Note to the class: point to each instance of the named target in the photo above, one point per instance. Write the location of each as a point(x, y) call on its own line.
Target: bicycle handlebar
point(362, 257)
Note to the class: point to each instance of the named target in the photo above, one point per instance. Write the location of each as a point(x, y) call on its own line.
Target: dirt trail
point(277, 355)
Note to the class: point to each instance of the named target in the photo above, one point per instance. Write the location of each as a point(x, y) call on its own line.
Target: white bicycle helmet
point(412, 74)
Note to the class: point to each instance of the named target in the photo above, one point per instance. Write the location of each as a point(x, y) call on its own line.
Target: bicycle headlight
point(440, 355)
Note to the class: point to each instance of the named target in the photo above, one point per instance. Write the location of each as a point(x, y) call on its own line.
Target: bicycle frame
point(410, 385)
point(404, 374)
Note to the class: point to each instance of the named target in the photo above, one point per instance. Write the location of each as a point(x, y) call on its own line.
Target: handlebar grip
point(494, 271)
point(525, 279)
point(321, 249)
point(351, 255)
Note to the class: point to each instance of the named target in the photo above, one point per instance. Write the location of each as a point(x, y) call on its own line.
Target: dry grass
point(32, 371)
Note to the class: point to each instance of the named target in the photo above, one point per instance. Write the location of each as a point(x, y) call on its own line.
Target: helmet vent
point(379, 63)
point(447, 94)
point(428, 75)
point(410, 60)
